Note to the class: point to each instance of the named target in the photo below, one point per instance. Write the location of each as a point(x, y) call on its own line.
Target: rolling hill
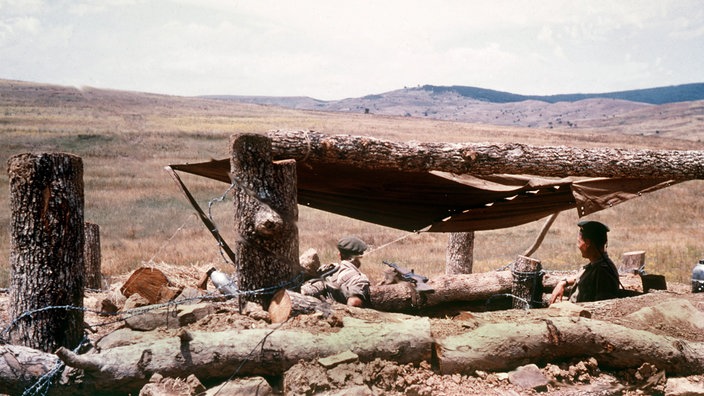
point(653, 111)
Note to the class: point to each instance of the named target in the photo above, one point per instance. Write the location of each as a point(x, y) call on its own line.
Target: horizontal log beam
point(505, 346)
point(485, 158)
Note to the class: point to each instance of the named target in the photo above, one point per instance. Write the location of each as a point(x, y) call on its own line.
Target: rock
point(683, 387)
point(171, 317)
point(360, 390)
point(255, 311)
point(107, 307)
point(190, 294)
point(566, 308)
point(344, 357)
point(152, 319)
point(528, 377)
point(242, 387)
point(194, 312)
point(135, 301)
point(160, 386)
point(194, 383)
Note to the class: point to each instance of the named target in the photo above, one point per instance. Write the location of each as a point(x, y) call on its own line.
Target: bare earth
point(390, 378)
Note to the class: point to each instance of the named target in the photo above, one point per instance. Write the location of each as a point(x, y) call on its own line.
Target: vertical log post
point(459, 257)
point(91, 256)
point(46, 250)
point(527, 283)
point(632, 262)
point(266, 212)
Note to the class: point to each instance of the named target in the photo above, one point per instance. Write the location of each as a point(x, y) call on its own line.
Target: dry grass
point(125, 140)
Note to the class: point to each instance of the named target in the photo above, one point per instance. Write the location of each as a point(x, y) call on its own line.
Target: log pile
point(547, 335)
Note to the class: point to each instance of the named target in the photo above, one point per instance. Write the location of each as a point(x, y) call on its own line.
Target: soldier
point(597, 280)
point(342, 282)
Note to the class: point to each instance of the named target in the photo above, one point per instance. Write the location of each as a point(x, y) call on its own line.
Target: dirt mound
point(673, 313)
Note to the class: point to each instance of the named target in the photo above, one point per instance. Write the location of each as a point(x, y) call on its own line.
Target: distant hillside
point(663, 107)
point(660, 95)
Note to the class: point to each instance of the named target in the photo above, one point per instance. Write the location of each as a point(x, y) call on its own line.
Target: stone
point(359, 390)
point(194, 312)
point(135, 301)
point(242, 387)
point(152, 319)
point(190, 295)
point(344, 357)
point(528, 377)
point(683, 387)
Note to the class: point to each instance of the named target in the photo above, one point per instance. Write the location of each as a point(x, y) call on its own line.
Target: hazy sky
point(331, 49)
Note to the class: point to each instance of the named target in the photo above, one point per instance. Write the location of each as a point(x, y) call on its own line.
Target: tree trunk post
point(527, 283)
point(266, 212)
point(46, 250)
point(459, 257)
point(632, 262)
point(91, 255)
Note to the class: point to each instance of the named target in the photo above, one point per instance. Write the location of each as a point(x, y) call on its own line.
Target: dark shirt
point(598, 281)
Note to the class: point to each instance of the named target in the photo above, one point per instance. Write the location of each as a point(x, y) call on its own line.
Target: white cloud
point(337, 49)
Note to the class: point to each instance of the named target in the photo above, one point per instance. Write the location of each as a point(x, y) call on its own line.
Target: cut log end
point(280, 307)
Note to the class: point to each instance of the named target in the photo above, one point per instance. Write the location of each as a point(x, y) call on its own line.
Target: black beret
point(352, 246)
point(593, 230)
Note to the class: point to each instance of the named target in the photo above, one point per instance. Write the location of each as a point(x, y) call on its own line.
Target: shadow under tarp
point(444, 202)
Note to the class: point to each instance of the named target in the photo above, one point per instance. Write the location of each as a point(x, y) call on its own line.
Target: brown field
point(125, 140)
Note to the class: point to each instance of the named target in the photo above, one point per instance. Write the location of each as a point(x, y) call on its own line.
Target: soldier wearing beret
point(342, 282)
point(597, 280)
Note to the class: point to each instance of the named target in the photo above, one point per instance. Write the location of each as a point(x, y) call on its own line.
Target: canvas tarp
point(444, 202)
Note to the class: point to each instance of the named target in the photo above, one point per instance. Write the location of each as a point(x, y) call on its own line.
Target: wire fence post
point(46, 249)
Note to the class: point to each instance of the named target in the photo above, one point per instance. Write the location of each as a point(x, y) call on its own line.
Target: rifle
point(419, 281)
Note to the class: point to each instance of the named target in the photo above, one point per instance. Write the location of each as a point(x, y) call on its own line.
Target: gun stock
point(419, 281)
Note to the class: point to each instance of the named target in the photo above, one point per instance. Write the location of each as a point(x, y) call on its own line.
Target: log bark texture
point(402, 297)
point(216, 355)
point(91, 256)
point(485, 159)
point(505, 346)
point(287, 303)
point(527, 283)
point(266, 212)
point(632, 262)
point(459, 257)
point(21, 367)
point(46, 249)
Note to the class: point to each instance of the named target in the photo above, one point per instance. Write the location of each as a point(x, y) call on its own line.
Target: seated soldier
point(597, 280)
point(342, 282)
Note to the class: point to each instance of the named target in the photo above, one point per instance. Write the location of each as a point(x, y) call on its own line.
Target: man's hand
point(355, 301)
point(558, 291)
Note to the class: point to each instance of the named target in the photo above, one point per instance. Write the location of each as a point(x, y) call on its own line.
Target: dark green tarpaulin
point(443, 202)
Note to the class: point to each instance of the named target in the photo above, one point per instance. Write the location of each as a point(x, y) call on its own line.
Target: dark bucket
point(653, 282)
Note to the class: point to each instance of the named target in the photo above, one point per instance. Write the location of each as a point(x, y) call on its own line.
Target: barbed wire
point(124, 315)
point(168, 241)
point(43, 384)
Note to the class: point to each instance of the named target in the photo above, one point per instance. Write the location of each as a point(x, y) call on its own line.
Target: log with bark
point(505, 346)
point(266, 212)
point(486, 159)
point(213, 356)
point(477, 287)
point(218, 355)
point(46, 250)
point(459, 257)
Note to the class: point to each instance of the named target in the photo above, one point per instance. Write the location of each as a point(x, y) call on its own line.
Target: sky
point(329, 49)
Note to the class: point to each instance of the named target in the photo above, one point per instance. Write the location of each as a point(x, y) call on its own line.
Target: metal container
point(698, 277)
point(223, 282)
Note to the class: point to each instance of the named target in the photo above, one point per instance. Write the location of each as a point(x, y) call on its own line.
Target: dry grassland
point(125, 140)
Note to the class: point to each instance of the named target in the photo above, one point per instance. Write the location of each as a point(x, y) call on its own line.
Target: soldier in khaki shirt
point(343, 282)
